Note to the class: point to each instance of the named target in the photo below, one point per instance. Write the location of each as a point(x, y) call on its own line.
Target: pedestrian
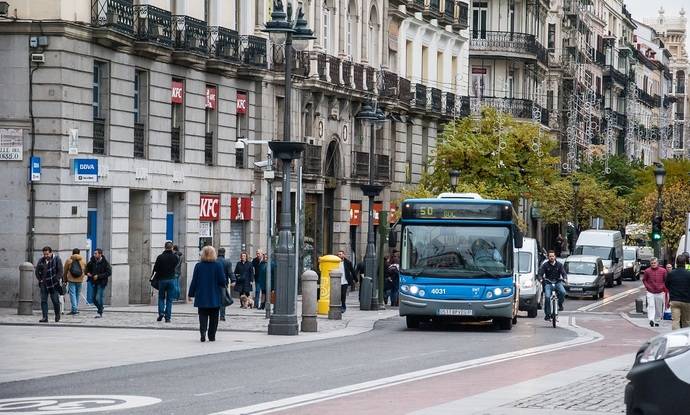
point(678, 285)
point(178, 270)
point(49, 274)
point(244, 274)
point(347, 278)
point(74, 274)
point(164, 268)
point(208, 281)
point(558, 245)
point(392, 278)
point(669, 268)
point(256, 262)
point(654, 279)
point(98, 270)
point(227, 272)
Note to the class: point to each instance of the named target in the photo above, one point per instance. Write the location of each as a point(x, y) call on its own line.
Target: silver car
point(585, 276)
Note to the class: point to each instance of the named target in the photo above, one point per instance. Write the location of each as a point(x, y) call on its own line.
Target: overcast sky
point(650, 8)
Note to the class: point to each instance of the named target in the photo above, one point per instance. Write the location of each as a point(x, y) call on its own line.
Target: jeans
point(166, 295)
point(98, 297)
point(54, 297)
point(394, 296)
point(208, 320)
point(74, 291)
point(560, 291)
point(343, 296)
point(257, 294)
point(89, 292)
point(655, 306)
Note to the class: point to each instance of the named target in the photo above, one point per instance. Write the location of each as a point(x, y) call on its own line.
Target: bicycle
point(554, 303)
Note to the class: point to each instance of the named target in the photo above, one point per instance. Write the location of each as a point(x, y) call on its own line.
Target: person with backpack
point(49, 274)
point(75, 271)
point(98, 270)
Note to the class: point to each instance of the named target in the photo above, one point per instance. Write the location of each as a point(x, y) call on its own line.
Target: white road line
point(585, 336)
point(608, 300)
point(218, 391)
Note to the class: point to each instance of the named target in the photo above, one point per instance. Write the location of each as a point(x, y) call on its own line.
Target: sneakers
point(99, 315)
point(547, 318)
point(222, 319)
point(160, 318)
point(651, 323)
point(656, 324)
point(57, 317)
point(43, 320)
point(167, 320)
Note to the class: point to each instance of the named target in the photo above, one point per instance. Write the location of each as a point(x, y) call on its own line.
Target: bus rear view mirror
point(517, 237)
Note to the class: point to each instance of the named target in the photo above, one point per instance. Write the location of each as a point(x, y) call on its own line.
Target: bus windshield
point(456, 251)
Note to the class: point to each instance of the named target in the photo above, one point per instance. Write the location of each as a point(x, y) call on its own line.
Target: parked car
point(645, 254)
point(585, 276)
point(660, 377)
point(607, 245)
point(631, 264)
point(527, 263)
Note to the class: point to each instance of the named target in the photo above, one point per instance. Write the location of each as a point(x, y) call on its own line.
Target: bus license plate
point(454, 312)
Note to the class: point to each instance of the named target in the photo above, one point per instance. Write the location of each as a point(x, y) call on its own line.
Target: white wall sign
point(11, 144)
point(205, 229)
point(73, 140)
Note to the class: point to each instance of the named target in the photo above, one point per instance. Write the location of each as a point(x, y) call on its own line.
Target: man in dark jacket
point(229, 276)
point(347, 279)
point(164, 268)
point(178, 270)
point(392, 278)
point(678, 285)
point(98, 271)
point(49, 273)
point(552, 271)
point(258, 287)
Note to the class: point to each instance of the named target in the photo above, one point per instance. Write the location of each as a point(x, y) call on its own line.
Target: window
point(140, 112)
point(408, 155)
point(549, 100)
point(551, 41)
point(439, 69)
point(350, 28)
point(241, 131)
point(326, 23)
point(177, 120)
point(454, 72)
point(100, 106)
point(374, 37)
point(425, 63)
point(409, 59)
point(479, 14)
point(425, 148)
point(211, 131)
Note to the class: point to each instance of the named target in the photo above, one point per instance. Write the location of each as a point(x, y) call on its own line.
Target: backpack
point(75, 269)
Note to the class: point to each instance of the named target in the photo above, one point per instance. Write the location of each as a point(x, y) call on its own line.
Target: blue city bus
point(456, 261)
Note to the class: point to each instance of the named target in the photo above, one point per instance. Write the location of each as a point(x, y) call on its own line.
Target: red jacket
point(654, 280)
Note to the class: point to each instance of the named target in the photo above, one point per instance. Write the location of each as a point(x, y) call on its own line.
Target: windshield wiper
point(416, 273)
point(487, 273)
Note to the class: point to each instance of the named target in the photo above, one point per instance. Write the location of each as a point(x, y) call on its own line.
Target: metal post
point(298, 225)
point(659, 209)
point(269, 242)
point(371, 191)
point(309, 322)
point(26, 279)
point(383, 237)
point(335, 311)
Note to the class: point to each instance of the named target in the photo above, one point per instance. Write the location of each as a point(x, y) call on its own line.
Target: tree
point(623, 176)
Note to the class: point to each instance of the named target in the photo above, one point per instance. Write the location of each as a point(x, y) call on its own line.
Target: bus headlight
point(489, 294)
point(507, 290)
point(421, 293)
point(404, 288)
point(497, 291)
point(414, 289)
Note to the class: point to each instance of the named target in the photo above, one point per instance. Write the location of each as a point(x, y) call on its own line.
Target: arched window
point(351, 28)
point(374, 29)
point(680, 82)
point(326, 27)
point(332, 165)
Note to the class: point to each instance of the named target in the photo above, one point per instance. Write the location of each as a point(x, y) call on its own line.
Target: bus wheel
point(515, 319)
point(504, 323)
point(412, 322)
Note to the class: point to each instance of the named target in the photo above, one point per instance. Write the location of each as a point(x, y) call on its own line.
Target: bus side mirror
point(517, 237)
point(392, 239)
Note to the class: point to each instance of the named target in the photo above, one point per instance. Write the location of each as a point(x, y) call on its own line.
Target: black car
point(660, 377)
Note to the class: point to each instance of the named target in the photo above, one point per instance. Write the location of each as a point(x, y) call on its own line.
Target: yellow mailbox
point(327, 263)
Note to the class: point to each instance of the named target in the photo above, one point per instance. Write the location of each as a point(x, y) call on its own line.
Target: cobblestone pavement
point(599, 394)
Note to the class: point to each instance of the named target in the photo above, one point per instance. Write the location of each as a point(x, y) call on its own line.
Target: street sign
point(35, 169)
point(85, 170)
point(11, 144)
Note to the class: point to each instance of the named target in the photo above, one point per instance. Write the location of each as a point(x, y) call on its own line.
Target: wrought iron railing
point(615, 74)
point(114, 14)
point(449, 9)
point(518, 108)
point(98, 136)
point(680, 115)
point(208, 149)
point(334, 70)
point(436, 100)
point(647, 98)
point(420, 96)
point(371, 78)
point(503, 42)
point(449, 104)
point(433, 6)
point(321, 59)
point(223, 44)
point(360, 166)
point(190, 34)
point(390, 84)
point(253, 51)
point(175, 144)
point(463, 17)
point(383, 167)
point(542, 54)
point(465, 108)
point(347, 73)
point(618, 118)
point(405, 91)
point(139, 141)
point(312, 159)
point(359, 77)
point(153, 25)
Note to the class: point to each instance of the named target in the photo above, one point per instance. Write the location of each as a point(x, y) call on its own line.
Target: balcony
point(613, 74)
point(599, 57)
point(139, 141)
point(518, 108)
point(416, 5)
point(680, 116)
point(359, 77)
point(98, 136)
point(647, 99)
point(390, 84)
point(114, 22)
point(404, 91)
point(461, 16)
point(448, 14)
point(153, 27)
point(223, 48)
point(619, 120)
point(334, 70)
point(312, 159)
point(432, 9)
point(448, 104)
point(190, 40)
point(419, 95)
point(253, 51)
point(436, 103)
point(347, 73)
point(498, 43)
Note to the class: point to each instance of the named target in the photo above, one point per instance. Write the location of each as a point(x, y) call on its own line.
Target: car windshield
point(603, 252)
point(629, 254)
point(456, 251)
point(524, 262)
point(581, 268)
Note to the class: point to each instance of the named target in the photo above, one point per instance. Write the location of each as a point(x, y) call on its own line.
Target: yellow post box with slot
point(327, 263)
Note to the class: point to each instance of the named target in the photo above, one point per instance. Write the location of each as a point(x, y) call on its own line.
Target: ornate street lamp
point(660, 177)
point(369, 299)
point(282, 29)
point(454, 177)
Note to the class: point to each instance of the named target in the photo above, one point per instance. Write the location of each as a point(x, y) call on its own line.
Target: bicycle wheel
point(554, 312)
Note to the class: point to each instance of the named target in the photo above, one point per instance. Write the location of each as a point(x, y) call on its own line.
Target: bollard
point(309, 322)
point(365, 289)
point(335, 312)
point(639, 305)
point(26, 294)
point(327, 263)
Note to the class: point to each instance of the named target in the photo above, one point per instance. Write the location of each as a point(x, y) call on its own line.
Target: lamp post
point(454, 176)
point(576, 191)
point(660, 177)
point(282, 29)
point(369, 299)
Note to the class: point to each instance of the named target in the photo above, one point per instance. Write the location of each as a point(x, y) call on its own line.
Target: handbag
point(61, 289)
point(154, 280)
point(225, 297)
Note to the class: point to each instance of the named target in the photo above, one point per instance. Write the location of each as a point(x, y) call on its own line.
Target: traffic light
point(656, 228)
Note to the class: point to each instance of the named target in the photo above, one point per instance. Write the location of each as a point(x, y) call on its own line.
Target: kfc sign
point(240, 208)
point(377, 208)
point(355, 213)
point(242, 103)
point(209, 207)
point(177, 92)
point(211, 97)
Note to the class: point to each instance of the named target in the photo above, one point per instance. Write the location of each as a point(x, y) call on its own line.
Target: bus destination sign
point(456, 211)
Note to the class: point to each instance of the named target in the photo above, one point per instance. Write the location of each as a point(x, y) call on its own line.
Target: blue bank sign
point(85, 170)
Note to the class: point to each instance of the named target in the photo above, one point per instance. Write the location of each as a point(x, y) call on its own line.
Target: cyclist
point(552, 271)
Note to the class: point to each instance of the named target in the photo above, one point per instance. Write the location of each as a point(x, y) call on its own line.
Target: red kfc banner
point(242, 103)
point(177, 92)
point(240, 208)
point(355, 213)
point(378, 207)
point(211, 97)
point(391, 215)
point(209, 207)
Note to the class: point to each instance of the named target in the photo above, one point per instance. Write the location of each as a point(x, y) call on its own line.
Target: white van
point(681, 248)
point(527, 266)
point(607, 245)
